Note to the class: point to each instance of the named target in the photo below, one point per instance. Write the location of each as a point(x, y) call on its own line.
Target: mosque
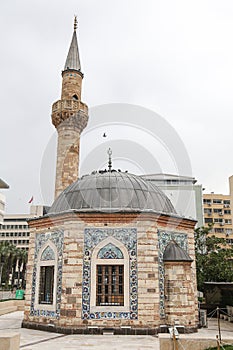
point(111, 254)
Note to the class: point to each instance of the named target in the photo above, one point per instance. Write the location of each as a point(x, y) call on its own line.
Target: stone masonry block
point(9, 341)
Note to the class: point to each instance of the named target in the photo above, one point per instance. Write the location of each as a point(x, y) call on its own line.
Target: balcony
point(69, 105)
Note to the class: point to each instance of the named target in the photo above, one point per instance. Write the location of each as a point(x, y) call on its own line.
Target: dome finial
point(109, 159)
point(75, 22)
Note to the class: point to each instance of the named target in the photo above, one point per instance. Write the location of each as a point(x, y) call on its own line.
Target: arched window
point(110, 277)
point(75, 97)
point(46, 272)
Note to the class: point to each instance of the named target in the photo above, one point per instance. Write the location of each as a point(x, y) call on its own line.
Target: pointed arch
point(47, 254)
point(110, 240)
point(75, 97)
point(110, 251)
point(50, 247)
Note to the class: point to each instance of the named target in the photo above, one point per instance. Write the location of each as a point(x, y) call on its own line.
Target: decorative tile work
point(164, 237)
point(92, 237)
point(41, 239)
point(110, 251)
point(48, 254)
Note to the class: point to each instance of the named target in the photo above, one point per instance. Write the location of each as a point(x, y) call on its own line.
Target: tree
point(10, 257)
point(5, 252)
point(214, 258)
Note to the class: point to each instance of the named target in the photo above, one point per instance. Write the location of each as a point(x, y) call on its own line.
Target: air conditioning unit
point(221, 214)
point(203, 318)
point(221, 223)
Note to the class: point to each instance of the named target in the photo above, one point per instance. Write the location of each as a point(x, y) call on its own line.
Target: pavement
point(35, 340)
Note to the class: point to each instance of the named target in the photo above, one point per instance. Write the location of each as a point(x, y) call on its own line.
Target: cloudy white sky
point(174, 57)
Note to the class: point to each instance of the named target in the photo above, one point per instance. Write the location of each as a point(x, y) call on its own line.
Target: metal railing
point(6, 294)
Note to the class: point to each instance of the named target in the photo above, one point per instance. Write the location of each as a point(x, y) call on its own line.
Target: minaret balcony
point(69, 105)
point(67, 110)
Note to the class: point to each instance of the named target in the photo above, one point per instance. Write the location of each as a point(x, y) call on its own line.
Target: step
point(7, 310)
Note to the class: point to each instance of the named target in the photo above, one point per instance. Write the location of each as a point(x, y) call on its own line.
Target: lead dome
point(112, 191)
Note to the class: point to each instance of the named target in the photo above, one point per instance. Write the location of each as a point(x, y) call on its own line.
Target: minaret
point(70, 117)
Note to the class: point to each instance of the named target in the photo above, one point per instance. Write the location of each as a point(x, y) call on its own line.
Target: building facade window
point(217, 201)
point(46, 285)
point(208, 220)
point(110, 285)
point(227, 211)
point(228, 231)
point(219, 230)
point(218, 211)
point(220, 221)
point(110, 277)
point(46, 272)
point(207, 211)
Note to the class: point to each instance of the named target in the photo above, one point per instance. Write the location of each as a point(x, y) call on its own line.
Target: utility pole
point(218, 343)
point(219, 331)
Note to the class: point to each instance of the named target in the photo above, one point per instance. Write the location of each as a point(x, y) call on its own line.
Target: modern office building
point(218, 211)
point(184, 193)
point(14, 227)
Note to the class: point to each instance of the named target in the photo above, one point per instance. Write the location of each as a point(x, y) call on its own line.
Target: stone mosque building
point(111, 254)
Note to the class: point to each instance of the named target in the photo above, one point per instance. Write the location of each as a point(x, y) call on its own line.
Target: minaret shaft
point(67, 155)
point(70, 117)
point(71, 85)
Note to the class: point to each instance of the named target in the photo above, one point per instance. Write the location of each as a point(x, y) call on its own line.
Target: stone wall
point(180, 303)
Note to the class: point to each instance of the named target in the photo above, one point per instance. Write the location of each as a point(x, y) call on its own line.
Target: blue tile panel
point(164, 237)
point(110, 251)
point(48, 254)
point(41, 240)
point(92, 237)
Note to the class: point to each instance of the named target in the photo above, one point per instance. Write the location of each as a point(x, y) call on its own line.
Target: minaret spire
point(73, 60)
point(69, 116)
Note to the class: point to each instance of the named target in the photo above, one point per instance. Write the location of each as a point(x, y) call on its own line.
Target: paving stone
point(35, 340)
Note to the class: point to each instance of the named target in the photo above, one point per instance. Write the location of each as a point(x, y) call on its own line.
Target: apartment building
point(218, 211)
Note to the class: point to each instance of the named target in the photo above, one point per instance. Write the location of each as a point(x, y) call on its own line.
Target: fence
point(6, 294)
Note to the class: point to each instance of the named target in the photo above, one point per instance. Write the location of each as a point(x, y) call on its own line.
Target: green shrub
point(225, 347)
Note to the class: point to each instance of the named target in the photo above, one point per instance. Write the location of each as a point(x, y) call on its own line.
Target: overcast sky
point(172, 57)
